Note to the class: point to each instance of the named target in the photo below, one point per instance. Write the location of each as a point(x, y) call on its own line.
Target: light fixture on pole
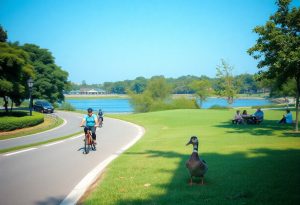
point(30, 84)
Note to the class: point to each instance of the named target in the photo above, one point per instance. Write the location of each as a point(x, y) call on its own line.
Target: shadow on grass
point(265, 176)
point(267, 127)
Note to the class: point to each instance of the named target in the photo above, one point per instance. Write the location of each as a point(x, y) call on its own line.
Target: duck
point(196, 166)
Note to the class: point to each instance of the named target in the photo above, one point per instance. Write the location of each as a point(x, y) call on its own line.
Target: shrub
point(14, 114)
point(66, 106)
point(219, 107)
point(178, 103)
point(17, 120)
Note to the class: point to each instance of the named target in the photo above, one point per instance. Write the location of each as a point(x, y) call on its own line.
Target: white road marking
point(45, 145)
point(54, 143)
point(84, 184)
point(21, 151)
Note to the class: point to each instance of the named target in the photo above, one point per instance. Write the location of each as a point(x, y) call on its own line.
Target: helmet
point(90, 110)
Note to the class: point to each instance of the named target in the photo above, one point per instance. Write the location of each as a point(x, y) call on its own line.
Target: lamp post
point(30, 84)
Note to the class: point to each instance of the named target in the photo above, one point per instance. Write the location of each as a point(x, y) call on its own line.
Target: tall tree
point(227, 88)
point(50, 80)
point(15, 70)
point(278, 47)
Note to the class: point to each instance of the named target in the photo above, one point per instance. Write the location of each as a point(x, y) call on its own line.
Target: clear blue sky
point(112, 40)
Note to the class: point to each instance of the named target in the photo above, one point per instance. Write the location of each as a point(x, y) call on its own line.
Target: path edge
point(79, 190)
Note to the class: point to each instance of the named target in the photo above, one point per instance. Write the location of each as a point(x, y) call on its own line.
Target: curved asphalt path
point(55, 173)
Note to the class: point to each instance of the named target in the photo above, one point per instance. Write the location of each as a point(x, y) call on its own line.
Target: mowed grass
point(248, 164)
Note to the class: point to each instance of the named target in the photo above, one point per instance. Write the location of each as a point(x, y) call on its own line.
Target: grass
point(248, 164)
point(49, 123)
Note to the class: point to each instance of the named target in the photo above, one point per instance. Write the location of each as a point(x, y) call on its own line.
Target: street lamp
point(30, 84)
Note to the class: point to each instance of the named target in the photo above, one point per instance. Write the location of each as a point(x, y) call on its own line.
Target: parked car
point(43, 106)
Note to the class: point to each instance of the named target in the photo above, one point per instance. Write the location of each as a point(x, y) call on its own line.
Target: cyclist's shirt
point(90, 120)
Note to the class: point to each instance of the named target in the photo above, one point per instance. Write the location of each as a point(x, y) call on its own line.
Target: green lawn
point(248, 164)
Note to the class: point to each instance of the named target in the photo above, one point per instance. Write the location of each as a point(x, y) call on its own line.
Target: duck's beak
point(190, 142)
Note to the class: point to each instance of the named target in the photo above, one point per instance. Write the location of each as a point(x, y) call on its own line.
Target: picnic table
point(251, 119)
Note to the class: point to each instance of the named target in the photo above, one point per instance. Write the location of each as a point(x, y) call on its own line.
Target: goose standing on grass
point(195, 165)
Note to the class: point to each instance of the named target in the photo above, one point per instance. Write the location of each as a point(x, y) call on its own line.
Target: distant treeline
point(244, 83)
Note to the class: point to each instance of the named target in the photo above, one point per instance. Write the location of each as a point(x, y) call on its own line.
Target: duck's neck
point(195, 149)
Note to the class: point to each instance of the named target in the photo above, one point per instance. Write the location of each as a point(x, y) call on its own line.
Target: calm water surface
point(123, 105)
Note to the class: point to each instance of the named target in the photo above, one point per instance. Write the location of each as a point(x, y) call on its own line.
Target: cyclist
point(100, 117)
point(91, 122)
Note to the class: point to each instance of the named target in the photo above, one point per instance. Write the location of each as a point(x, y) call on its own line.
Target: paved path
point(70, 126)
point(49, 173)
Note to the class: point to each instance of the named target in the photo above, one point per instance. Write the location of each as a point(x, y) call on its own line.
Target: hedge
point(17, 120)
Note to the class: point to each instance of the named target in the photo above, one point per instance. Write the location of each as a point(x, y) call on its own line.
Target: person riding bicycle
point(91, 122)
point(100, 117)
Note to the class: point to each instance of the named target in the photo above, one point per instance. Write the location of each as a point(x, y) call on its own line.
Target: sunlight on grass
point(248, 164)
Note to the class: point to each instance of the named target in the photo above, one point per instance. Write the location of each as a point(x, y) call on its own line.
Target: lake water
point(123, 105)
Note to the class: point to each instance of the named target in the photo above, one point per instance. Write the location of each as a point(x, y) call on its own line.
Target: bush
point(14, 114)
point(66, 106)
point(17, 120)
point(219, 107)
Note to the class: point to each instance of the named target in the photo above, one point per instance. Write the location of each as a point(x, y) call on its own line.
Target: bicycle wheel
point(86, 144)
point(93, 146)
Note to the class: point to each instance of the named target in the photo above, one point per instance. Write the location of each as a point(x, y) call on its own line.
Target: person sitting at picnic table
point(287, 118)
point(247, 118)
point(245, 114)
point(237, 119)
point(258, 116)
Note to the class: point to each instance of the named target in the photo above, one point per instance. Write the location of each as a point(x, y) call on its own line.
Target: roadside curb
point(79, 190)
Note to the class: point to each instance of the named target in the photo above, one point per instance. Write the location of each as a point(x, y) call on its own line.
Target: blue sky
point(99, 41)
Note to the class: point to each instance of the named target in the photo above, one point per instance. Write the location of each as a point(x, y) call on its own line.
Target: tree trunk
point(11, 105)
point(297, 102)
point(5, 104)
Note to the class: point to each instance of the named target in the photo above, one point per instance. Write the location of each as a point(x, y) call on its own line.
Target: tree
point(202, 89)
point(278, 48)
point(3, 34)
point(158, 88)
point(15, 70)
point(139, 85)
point(155, 94)
point(50, 80)
point(247, 83)
point(226, 86)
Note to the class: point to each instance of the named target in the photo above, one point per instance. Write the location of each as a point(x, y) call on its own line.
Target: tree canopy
point(15, 69)
point(50, 80)
point(278, 47)
point(226, 84)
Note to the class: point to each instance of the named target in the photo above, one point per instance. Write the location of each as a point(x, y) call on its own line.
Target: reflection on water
point(123, 105)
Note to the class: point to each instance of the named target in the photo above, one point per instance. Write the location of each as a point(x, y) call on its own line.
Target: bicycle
point(88, 141)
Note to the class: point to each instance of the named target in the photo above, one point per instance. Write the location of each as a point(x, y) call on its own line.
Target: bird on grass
point(195, 165)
